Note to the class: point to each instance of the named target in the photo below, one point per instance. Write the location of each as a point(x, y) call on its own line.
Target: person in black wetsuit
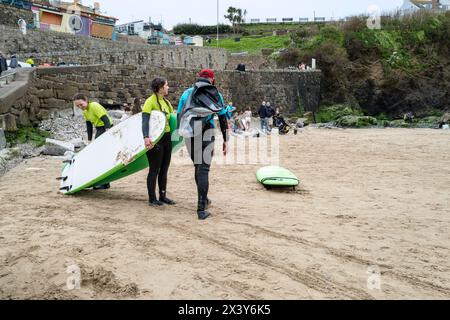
point(201, 148)
point(159, 155)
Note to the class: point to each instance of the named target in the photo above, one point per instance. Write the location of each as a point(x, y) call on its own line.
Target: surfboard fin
point(64, 189)
point(62, 178)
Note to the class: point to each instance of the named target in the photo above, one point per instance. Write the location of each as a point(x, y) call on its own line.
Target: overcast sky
point(204, 12)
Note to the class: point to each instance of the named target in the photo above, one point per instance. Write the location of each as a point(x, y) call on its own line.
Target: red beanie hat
point(207, 73)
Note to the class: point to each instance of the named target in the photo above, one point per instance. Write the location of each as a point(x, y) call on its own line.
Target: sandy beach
point(375, 200)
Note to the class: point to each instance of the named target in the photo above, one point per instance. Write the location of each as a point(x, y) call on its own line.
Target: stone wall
point(14, 101)
point(52, 89)
point(9, 15)
point(282, 88)
point(52, 47)
point(252, 62)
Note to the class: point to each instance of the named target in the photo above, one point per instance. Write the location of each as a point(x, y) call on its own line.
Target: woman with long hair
point(159, 155)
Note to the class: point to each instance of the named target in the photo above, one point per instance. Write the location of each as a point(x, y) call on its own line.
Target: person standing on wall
point(96, 116)
point(30, 61)
point(159, 155)
point(13, 64)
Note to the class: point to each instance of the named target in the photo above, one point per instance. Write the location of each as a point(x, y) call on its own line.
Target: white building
point(198, 41)
point(131, 28)
point(410, 6)
point(139, 28)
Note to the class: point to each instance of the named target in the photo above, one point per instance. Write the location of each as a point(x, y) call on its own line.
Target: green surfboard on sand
point(273, 176)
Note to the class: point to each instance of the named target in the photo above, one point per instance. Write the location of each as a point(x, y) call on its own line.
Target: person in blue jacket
point(203, 152)
point(230, 110)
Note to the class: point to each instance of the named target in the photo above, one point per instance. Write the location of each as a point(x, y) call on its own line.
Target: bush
point(25, 135)
point(356, 122)
point(335, 112)
point(288, 57)
point(428, 122)
point(332, 59)
point(399, 124)
point(383, 123)
point(331, 33)
point(196, 29)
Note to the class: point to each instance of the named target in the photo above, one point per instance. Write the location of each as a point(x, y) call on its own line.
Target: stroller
point(281, 124)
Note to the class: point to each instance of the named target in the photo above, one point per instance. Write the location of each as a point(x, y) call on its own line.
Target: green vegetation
point(236, 17)
point(268, 28)
point(427, 122)
point(25, 135)
point(356, 122)
point(195, 29)
point(252, 45)
point(400, 68)
point(335, 112)
point(348, 117)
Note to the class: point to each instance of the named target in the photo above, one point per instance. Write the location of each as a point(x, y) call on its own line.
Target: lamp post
point(217, 24)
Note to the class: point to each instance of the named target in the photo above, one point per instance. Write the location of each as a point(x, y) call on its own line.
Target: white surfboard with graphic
point(117, 153)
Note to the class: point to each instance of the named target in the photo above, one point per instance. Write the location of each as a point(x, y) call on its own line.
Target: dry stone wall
point(50, 90)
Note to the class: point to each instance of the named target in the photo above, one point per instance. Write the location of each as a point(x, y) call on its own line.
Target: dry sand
point(368, 197)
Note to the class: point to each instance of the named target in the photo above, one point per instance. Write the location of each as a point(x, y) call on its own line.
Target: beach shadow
point(110, 194)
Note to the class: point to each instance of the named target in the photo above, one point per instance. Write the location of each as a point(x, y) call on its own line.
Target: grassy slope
point(258, 28)
point(252, 45)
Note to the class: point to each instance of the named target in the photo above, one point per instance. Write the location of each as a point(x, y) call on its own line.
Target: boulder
point(116, 114)
point(24, 119)
point(300, 123)
point(43, 114)
point(445, 119)
point(78, 143)
point(2, 139)
point(8, 122)
point(69, 155)
point(309, 117)
point(57, 148)
point(66, 113)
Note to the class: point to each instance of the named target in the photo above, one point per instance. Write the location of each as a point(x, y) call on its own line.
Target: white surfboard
point(113, 151)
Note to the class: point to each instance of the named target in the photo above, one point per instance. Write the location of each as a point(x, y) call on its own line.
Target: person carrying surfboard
point(159, 156)
point(196, 111)
point(96, 116)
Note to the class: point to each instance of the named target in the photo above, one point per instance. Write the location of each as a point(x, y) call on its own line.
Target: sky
point(172, 12)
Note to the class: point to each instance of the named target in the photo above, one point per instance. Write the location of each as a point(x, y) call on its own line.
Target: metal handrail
point(8, 76)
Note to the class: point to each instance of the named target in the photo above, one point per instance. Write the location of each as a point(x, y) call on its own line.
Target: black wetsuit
point(159, 159)
point(99, 130)
point(201, 150)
